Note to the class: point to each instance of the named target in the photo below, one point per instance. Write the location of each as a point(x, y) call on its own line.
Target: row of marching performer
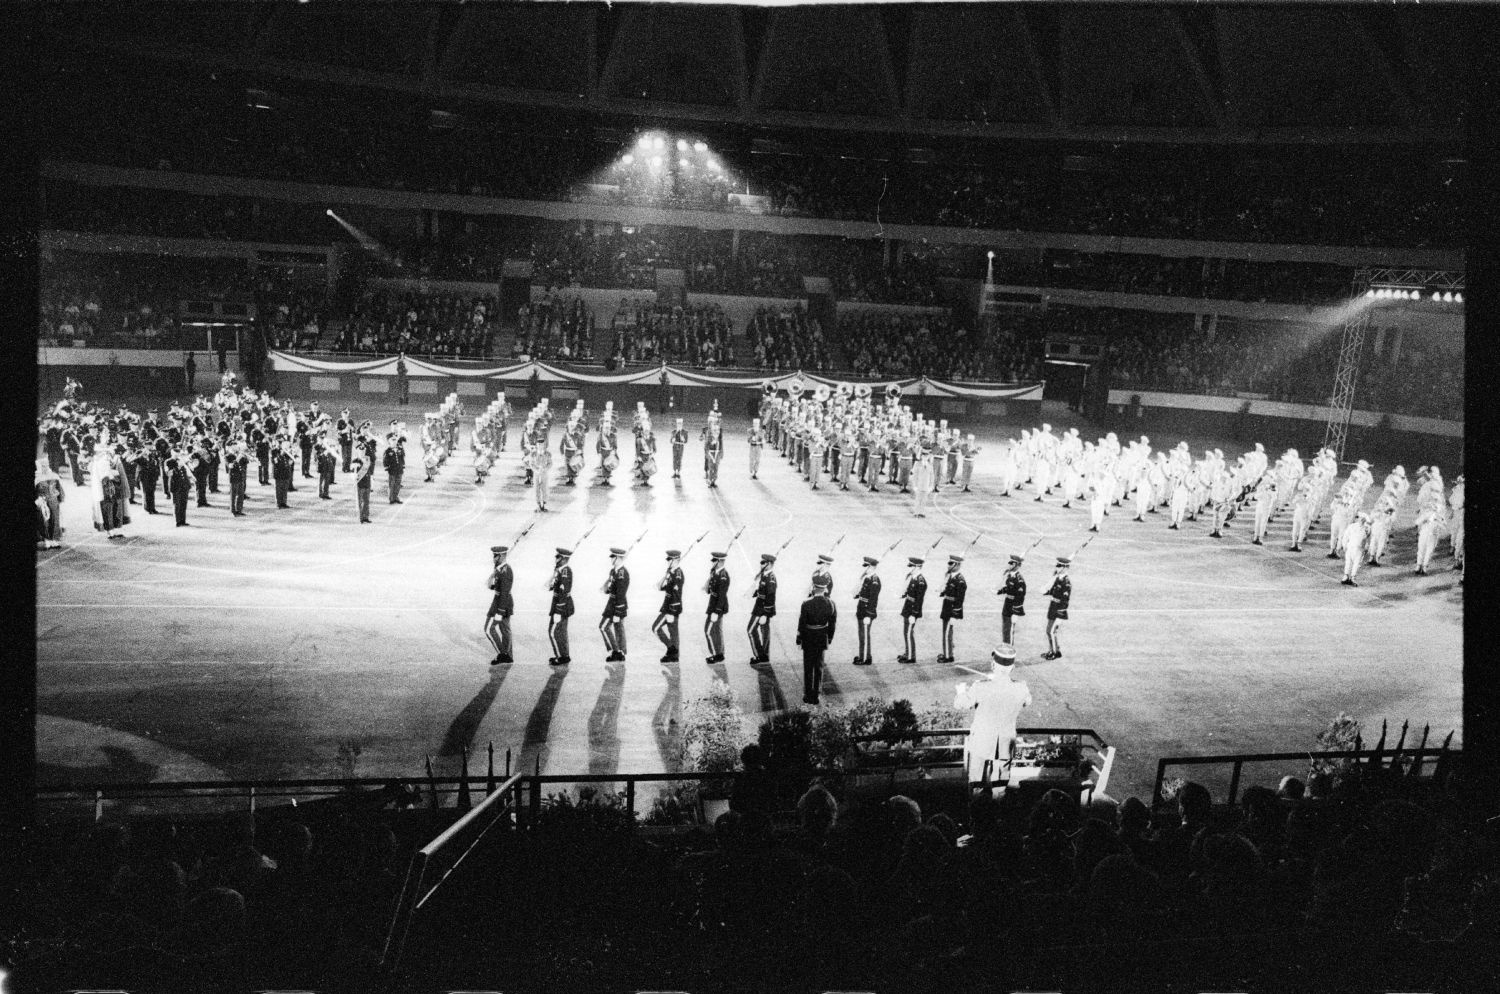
point(1103, 473)
point(845, 436)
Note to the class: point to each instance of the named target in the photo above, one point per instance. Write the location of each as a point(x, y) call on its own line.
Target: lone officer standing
point(561, 608)
point(502, 606)
point(679, 442)
point(815, 627)
point(867, 603)
point(665, 625)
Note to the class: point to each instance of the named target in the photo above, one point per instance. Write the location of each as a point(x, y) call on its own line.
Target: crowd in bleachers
point(1350, 859)
point(1275, 360)
point(762, 264)
point(785, 339)
point(558, 326)
point(1361, 856)
point(647, 330)
point(432, 324)
point(147, 894)
point(128, 300)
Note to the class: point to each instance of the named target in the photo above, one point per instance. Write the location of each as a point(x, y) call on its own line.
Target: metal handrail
point(422, 877)
point(1238, 760)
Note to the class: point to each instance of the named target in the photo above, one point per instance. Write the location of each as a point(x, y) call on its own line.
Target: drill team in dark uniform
point(612, 623)
point(665, 625)
point(502, 606)
point(1014, 604)
point(763, 610)
point(867, 602)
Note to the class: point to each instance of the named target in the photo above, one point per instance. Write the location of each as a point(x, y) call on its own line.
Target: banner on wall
point(677, 376)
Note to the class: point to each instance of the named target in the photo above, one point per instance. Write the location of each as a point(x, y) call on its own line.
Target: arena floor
point(254, 648)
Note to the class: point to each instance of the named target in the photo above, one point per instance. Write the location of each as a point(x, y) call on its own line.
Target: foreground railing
point(431, 865)
point(1238, 761)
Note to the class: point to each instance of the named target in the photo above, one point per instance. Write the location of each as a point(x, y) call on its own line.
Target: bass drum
point(611, 461)
point(575, 462)
point(648, 466)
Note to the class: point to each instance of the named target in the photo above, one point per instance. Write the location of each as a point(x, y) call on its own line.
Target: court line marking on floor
point(472, 516)
point(393, 608)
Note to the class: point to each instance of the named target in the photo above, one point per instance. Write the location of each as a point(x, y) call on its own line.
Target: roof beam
point(1034, 65)
point(741, 60)
point(1217, 113)
point(1400, 94)
point(444, 89)
point(888, 70)
point(763, 62)
point(455, 48)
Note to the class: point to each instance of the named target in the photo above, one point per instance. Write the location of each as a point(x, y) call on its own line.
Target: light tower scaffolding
point(1400, 285)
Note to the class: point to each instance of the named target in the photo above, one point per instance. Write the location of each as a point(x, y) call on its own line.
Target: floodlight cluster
point(1399, 293)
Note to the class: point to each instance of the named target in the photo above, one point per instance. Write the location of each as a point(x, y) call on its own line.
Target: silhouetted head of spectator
point(1103, 809)
point(1056, 811)
point(1291, 788)
point(1049, 860)
point(1094, 841)
point(1226, 862)
point(1404, 835)
point(1194, 805)
point(984, 814)
point(214, 918)
point(752, 757)
point(1319, 785)
point(727, 829)
point(1135, 817)
point(817, 811)
point(904, 814)
point(946, 825)
point(1118, 882)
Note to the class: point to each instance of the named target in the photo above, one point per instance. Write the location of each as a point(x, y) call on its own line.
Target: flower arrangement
point(713, 732)
point(593, 810)
point(1341, 735)
point(677, 805)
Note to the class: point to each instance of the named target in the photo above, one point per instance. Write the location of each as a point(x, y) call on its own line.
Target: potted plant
point(713, 733)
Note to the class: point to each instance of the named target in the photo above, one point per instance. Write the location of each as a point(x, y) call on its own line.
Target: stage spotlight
point(658, 142)
point(681, 145)
point(656, 162)
point(1436, 296)
point(991, 253)
point(1368, 293)
point(627, 159)
point(1448, 297)
point(712, 164)
point(683, 163)
point(329, 212)
point(1458, 298)
point(699, 147)
point(645, 141)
